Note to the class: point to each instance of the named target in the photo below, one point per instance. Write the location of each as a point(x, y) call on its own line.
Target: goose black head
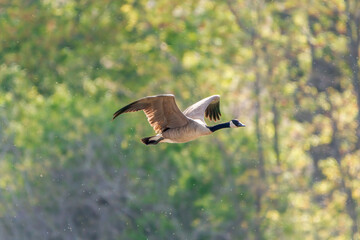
point(235, 124)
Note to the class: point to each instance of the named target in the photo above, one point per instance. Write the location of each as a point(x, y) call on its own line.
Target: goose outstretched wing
point(160, 110)
point(208, 107)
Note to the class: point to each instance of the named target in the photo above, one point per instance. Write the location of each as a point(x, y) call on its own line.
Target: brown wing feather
point(161, 111)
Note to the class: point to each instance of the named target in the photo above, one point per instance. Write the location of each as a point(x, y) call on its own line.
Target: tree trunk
point(353, 36)
point(260, 166)
point(276, 131)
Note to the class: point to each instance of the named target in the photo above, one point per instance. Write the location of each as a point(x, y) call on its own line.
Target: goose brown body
point(187, 133)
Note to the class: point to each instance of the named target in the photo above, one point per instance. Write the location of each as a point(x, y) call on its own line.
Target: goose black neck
point(219, 126)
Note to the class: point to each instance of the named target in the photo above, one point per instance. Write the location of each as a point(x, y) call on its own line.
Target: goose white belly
point(189, 132)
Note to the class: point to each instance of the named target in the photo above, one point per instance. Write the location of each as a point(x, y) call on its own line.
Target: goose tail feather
point(153, 140)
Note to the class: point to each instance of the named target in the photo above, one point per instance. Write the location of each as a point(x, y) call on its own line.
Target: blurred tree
point(281, 67)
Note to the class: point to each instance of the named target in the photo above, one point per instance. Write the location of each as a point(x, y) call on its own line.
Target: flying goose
point(174, 126)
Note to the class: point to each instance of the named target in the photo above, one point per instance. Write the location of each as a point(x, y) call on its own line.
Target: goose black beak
point(239, 124)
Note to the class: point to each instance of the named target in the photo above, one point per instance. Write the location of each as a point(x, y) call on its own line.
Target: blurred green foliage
point(284, 68)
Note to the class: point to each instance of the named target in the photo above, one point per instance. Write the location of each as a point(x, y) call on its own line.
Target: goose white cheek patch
point(232, 125)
